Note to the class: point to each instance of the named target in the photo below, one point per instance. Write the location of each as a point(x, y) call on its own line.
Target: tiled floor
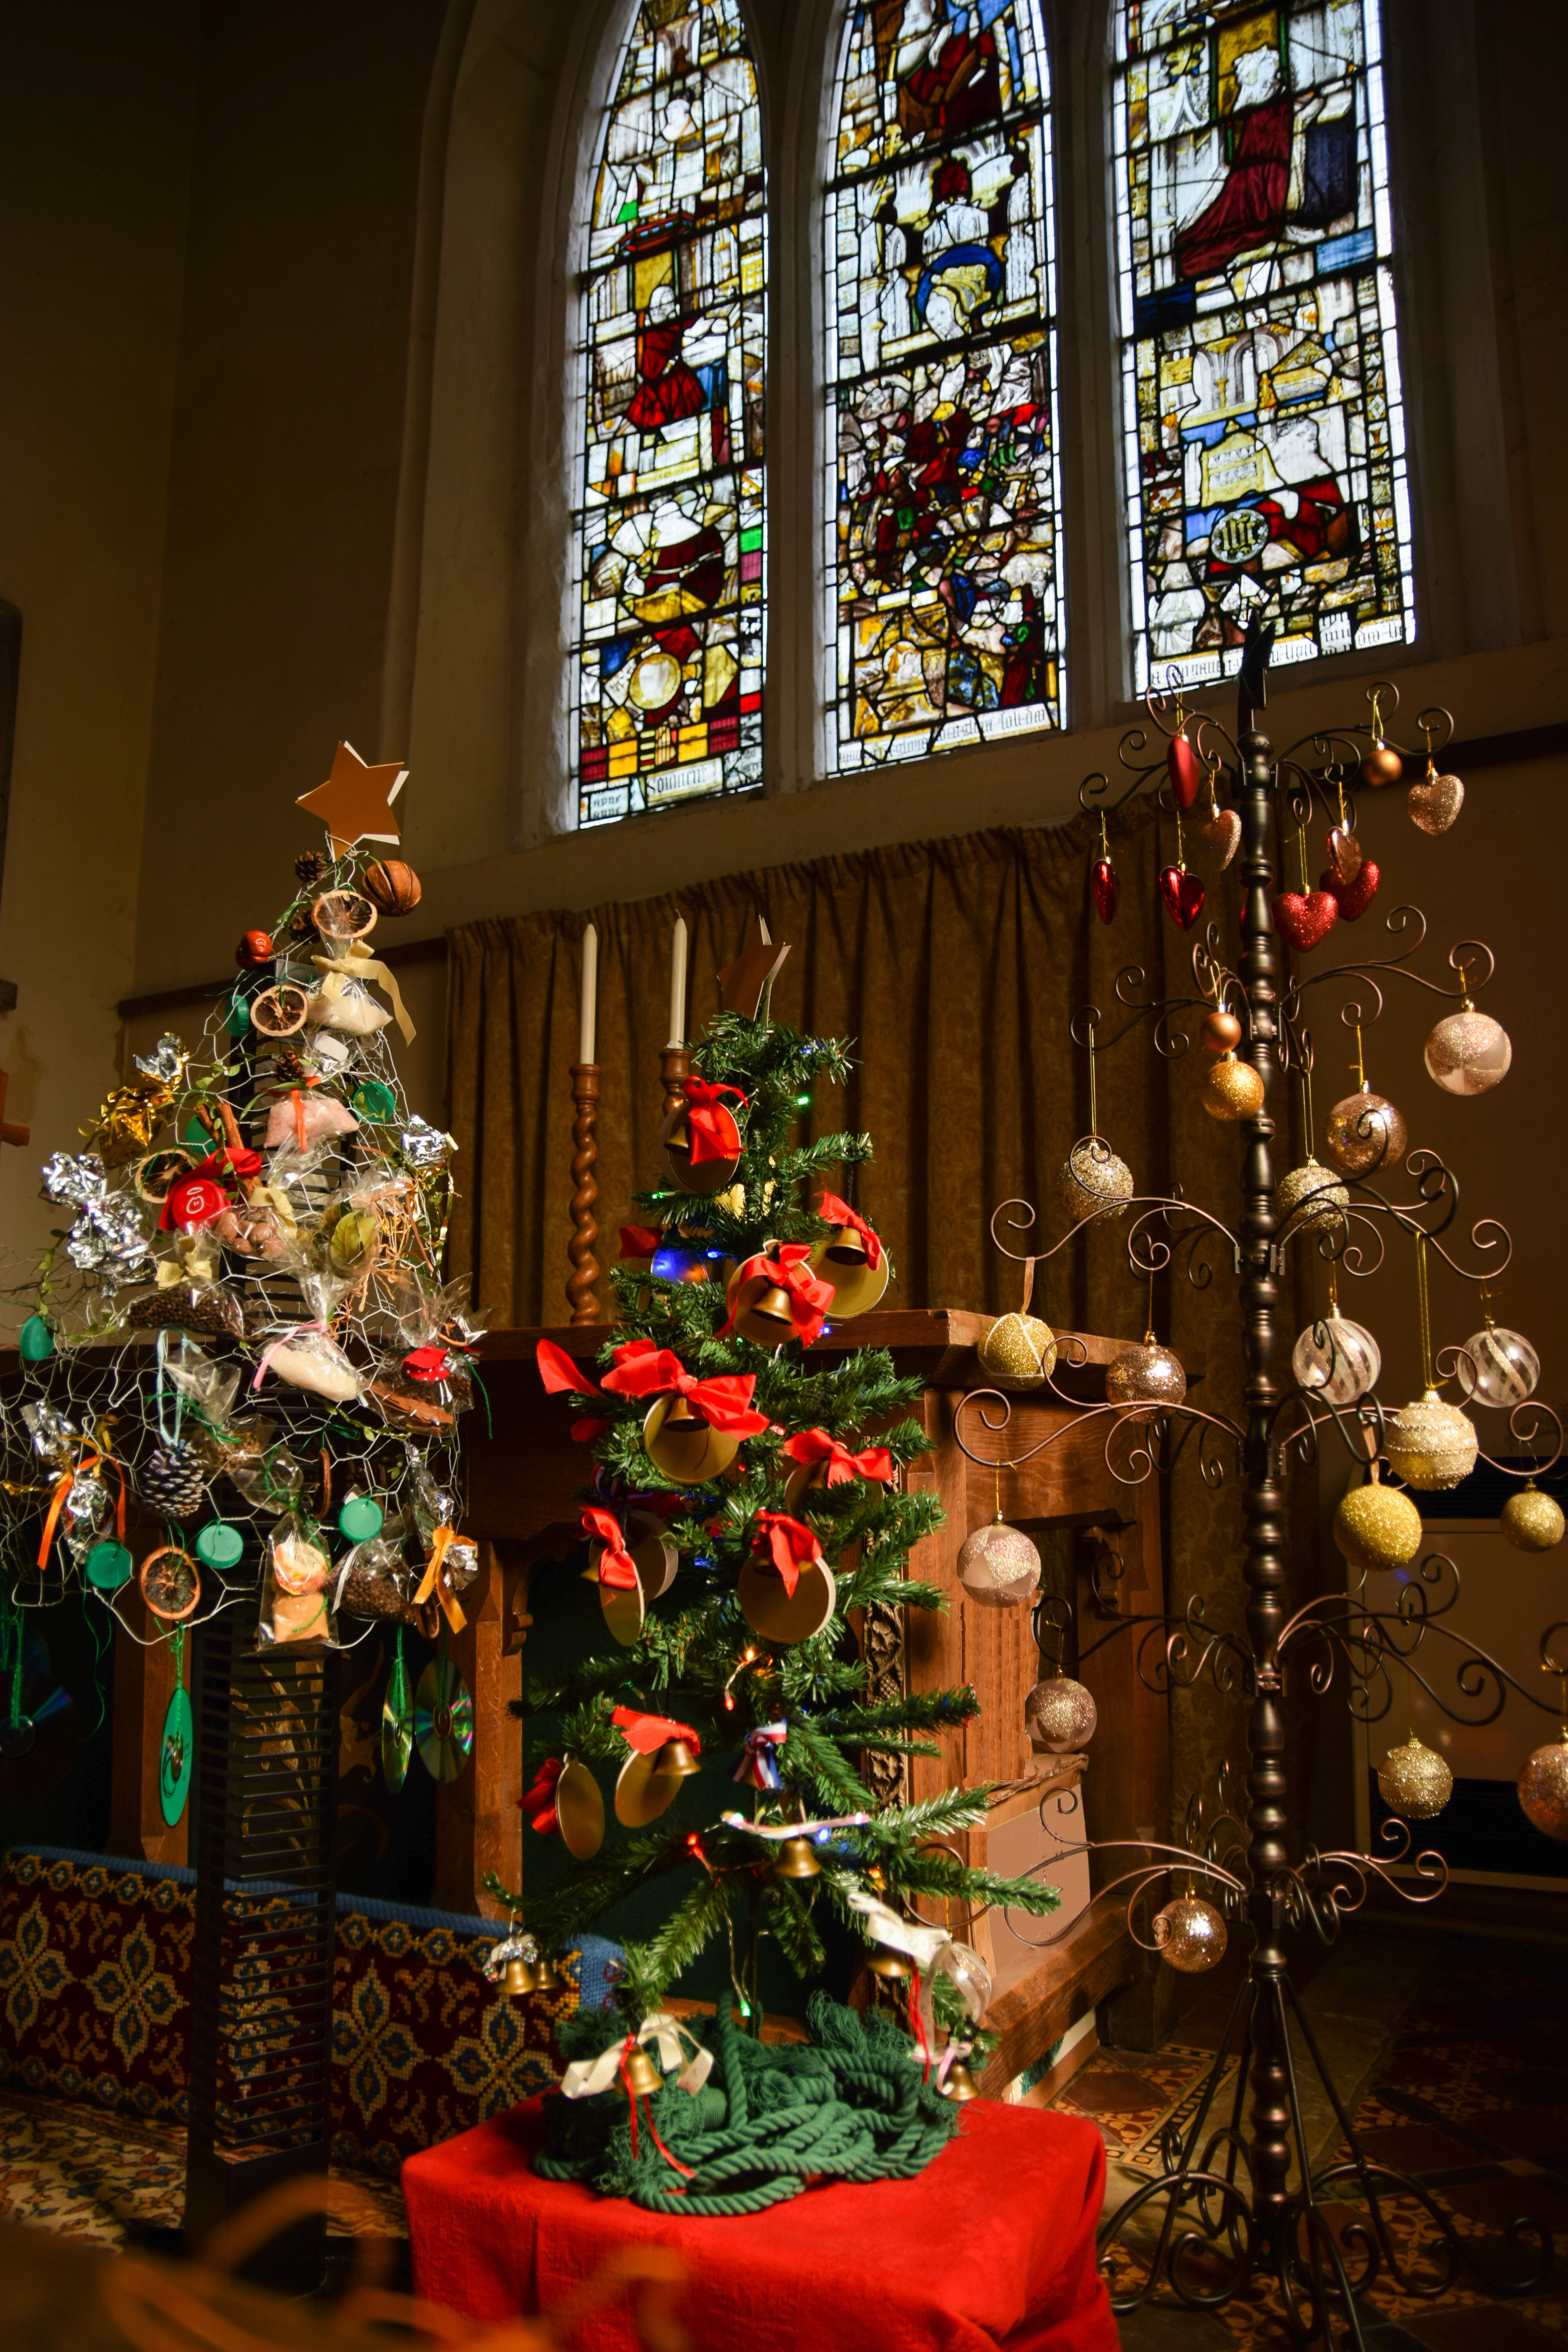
point(1471, 2100)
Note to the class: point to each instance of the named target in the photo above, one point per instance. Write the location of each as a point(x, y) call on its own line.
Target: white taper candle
point(678, 983)
point(590, 995)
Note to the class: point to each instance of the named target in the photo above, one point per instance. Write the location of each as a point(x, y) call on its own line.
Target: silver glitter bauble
point(999, 1566)
point(1544, 1790)
point(1376, 1526)
point(1060, 1713)
point(1019, 1351)
point(1414, 1782)
point(1315, 1194)
point(1190, 1935)
point(1336, 1360)
point(1502, 1369)
point(1431, 1444)
point(1532, 1521)
point(1365, 1131)
point(1467, 1053)
point(1146, 1374)
point(1092, 1178)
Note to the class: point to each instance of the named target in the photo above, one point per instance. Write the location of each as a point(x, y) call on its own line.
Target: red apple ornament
point(254, 950)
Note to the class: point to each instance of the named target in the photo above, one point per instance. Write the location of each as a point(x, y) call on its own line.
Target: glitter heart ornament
point(1353, 897)
point(1305, 918)
point(1218, 837)
point(1182, 893)
point(1435, 802)
point(1185, 772)
point(1344, 854)
point(1105, 888)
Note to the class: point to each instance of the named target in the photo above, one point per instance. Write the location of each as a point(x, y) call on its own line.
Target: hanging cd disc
point(175, 1755)
point(443, 1719)
point(396, 1724)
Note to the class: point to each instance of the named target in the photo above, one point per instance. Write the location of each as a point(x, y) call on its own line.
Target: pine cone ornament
point(289, 1065)
point(310, 866)
point(172, 1482)
point(301, 924)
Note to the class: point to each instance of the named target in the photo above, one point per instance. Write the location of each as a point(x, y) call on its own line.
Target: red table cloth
point(992, 2245)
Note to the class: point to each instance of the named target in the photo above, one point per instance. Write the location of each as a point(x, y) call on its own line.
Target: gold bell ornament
point(642, 2076)
point(1415, 1781)
point(1190, 1935)
point(1532, 1521)
point(519, 1977)
point(796, 1858)
point(1092, 1178)
point(852, 1260)
point(893, 1967)
point(679, 1441)
point(550, 1975)
point(675, 1761)
point(700, 1138)
point(1376, 1526)
point(959, 2085)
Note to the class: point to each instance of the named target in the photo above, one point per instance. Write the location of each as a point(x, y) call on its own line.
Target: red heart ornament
point(1105, 888)
point(1344, 854)
point(1305, 918)
point(1354, 897)
point(1186, 774)
point(1182, 893)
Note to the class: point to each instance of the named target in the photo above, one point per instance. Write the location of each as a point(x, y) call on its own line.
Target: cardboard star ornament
point(355, 802)
point(741, 984)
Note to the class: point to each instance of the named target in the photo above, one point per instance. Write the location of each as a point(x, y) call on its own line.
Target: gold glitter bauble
point(1146, 1374)
point(1544, 1790)
point(1316, 1192)
point(1532, 1521)
point(1431, 1444)
point(1060, 1713)
point(1376, 1526)
point(1092, 1177)
point(1232, 1089)
point(1467, 1053)
point(1019, 1351)
point(1190, 1935)
point(999, 1566)
point(1365, 1131)
point(1415, 1781)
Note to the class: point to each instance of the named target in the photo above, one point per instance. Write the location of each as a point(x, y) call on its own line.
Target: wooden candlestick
point(674, 1068)
point(8, 1133)
point(581, 1294)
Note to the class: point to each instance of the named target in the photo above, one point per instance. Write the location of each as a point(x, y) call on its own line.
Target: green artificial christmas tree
point(746, 1500)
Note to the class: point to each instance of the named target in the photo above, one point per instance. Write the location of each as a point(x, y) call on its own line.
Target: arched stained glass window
point(944, 539)
point(670, 533)
point(1265, 434)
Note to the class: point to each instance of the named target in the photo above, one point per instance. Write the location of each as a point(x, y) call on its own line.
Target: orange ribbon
point(433, 1581)
point(58, 1502)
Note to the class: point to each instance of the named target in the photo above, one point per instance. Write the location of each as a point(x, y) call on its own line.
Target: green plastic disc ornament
point(174, 1758)
point(108, 1566)
point(374, 1101)
point(219, 1546)
point(359, 1518)
point(35, 1340)
point(236, 1015)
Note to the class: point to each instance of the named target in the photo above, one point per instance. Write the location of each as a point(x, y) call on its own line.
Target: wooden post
point(582, 1294)
point(674, 1068)
point(143, 1686)
point(478, 1824)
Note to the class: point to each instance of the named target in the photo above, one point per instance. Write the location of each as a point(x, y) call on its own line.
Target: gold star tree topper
point(355, 802)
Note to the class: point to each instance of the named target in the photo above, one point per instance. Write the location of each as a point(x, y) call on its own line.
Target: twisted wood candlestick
point(674, 1068)
point(581, 1293)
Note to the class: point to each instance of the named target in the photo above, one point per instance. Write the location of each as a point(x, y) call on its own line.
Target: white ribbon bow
point(585, 2076)
point(930, 1949)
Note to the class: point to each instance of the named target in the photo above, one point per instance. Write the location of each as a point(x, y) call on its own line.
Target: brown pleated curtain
point(955, 967)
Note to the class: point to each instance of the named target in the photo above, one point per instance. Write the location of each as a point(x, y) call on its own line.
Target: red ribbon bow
point(428, 1364)
point(712, 1129)
point(616, 1566)
point(539, 1803)
point(640, 1241)
point(788, 1543)
point(647, 1732)
point(813, 1445)
point(839, 1212)
point(809, 1299)
point(642, 1371)
point(194, 1202)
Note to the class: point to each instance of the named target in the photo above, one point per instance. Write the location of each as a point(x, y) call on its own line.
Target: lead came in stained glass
point(1266, 461)
point(944, 546)
point(670, 533)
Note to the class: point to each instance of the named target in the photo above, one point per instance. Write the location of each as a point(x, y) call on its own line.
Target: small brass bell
point(549, 1976)
point(891, 1967)
point(675, 1761)
point(960, 2084)
point(766, 1318)
point(845, 1252)
point(519, 1977)
point(796, 1860)
point(642, 2076)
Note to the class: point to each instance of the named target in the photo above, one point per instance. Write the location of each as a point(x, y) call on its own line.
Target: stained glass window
point(669, 534)
point(944, 544)
point(1265, 434)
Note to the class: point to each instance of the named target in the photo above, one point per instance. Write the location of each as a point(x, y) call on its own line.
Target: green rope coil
point(849, 2105)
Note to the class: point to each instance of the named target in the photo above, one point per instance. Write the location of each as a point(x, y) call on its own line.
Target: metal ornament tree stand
point(1239, 2203)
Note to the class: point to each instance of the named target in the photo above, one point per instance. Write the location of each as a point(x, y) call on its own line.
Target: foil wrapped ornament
point(1059, 1715)
point(1365, 1132)
point(1376, 1526)
point(1311, 1198)
point(998, 1566)
point(1498, 1366)
point(1467, 1053)
point(1146, 1374)
point(1336, 1360)
point(1232, 1089)
point(1415, 1781)
point(424, 1145)
point(1430, 1444)
point(1434, 802)
point(1190, 1935)
point(1532, 1521)
point(1019, 1351)
point(1544, 1789)
point(1092, 1178)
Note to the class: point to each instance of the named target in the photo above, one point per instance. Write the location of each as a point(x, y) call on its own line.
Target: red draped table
point(992, 2245)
